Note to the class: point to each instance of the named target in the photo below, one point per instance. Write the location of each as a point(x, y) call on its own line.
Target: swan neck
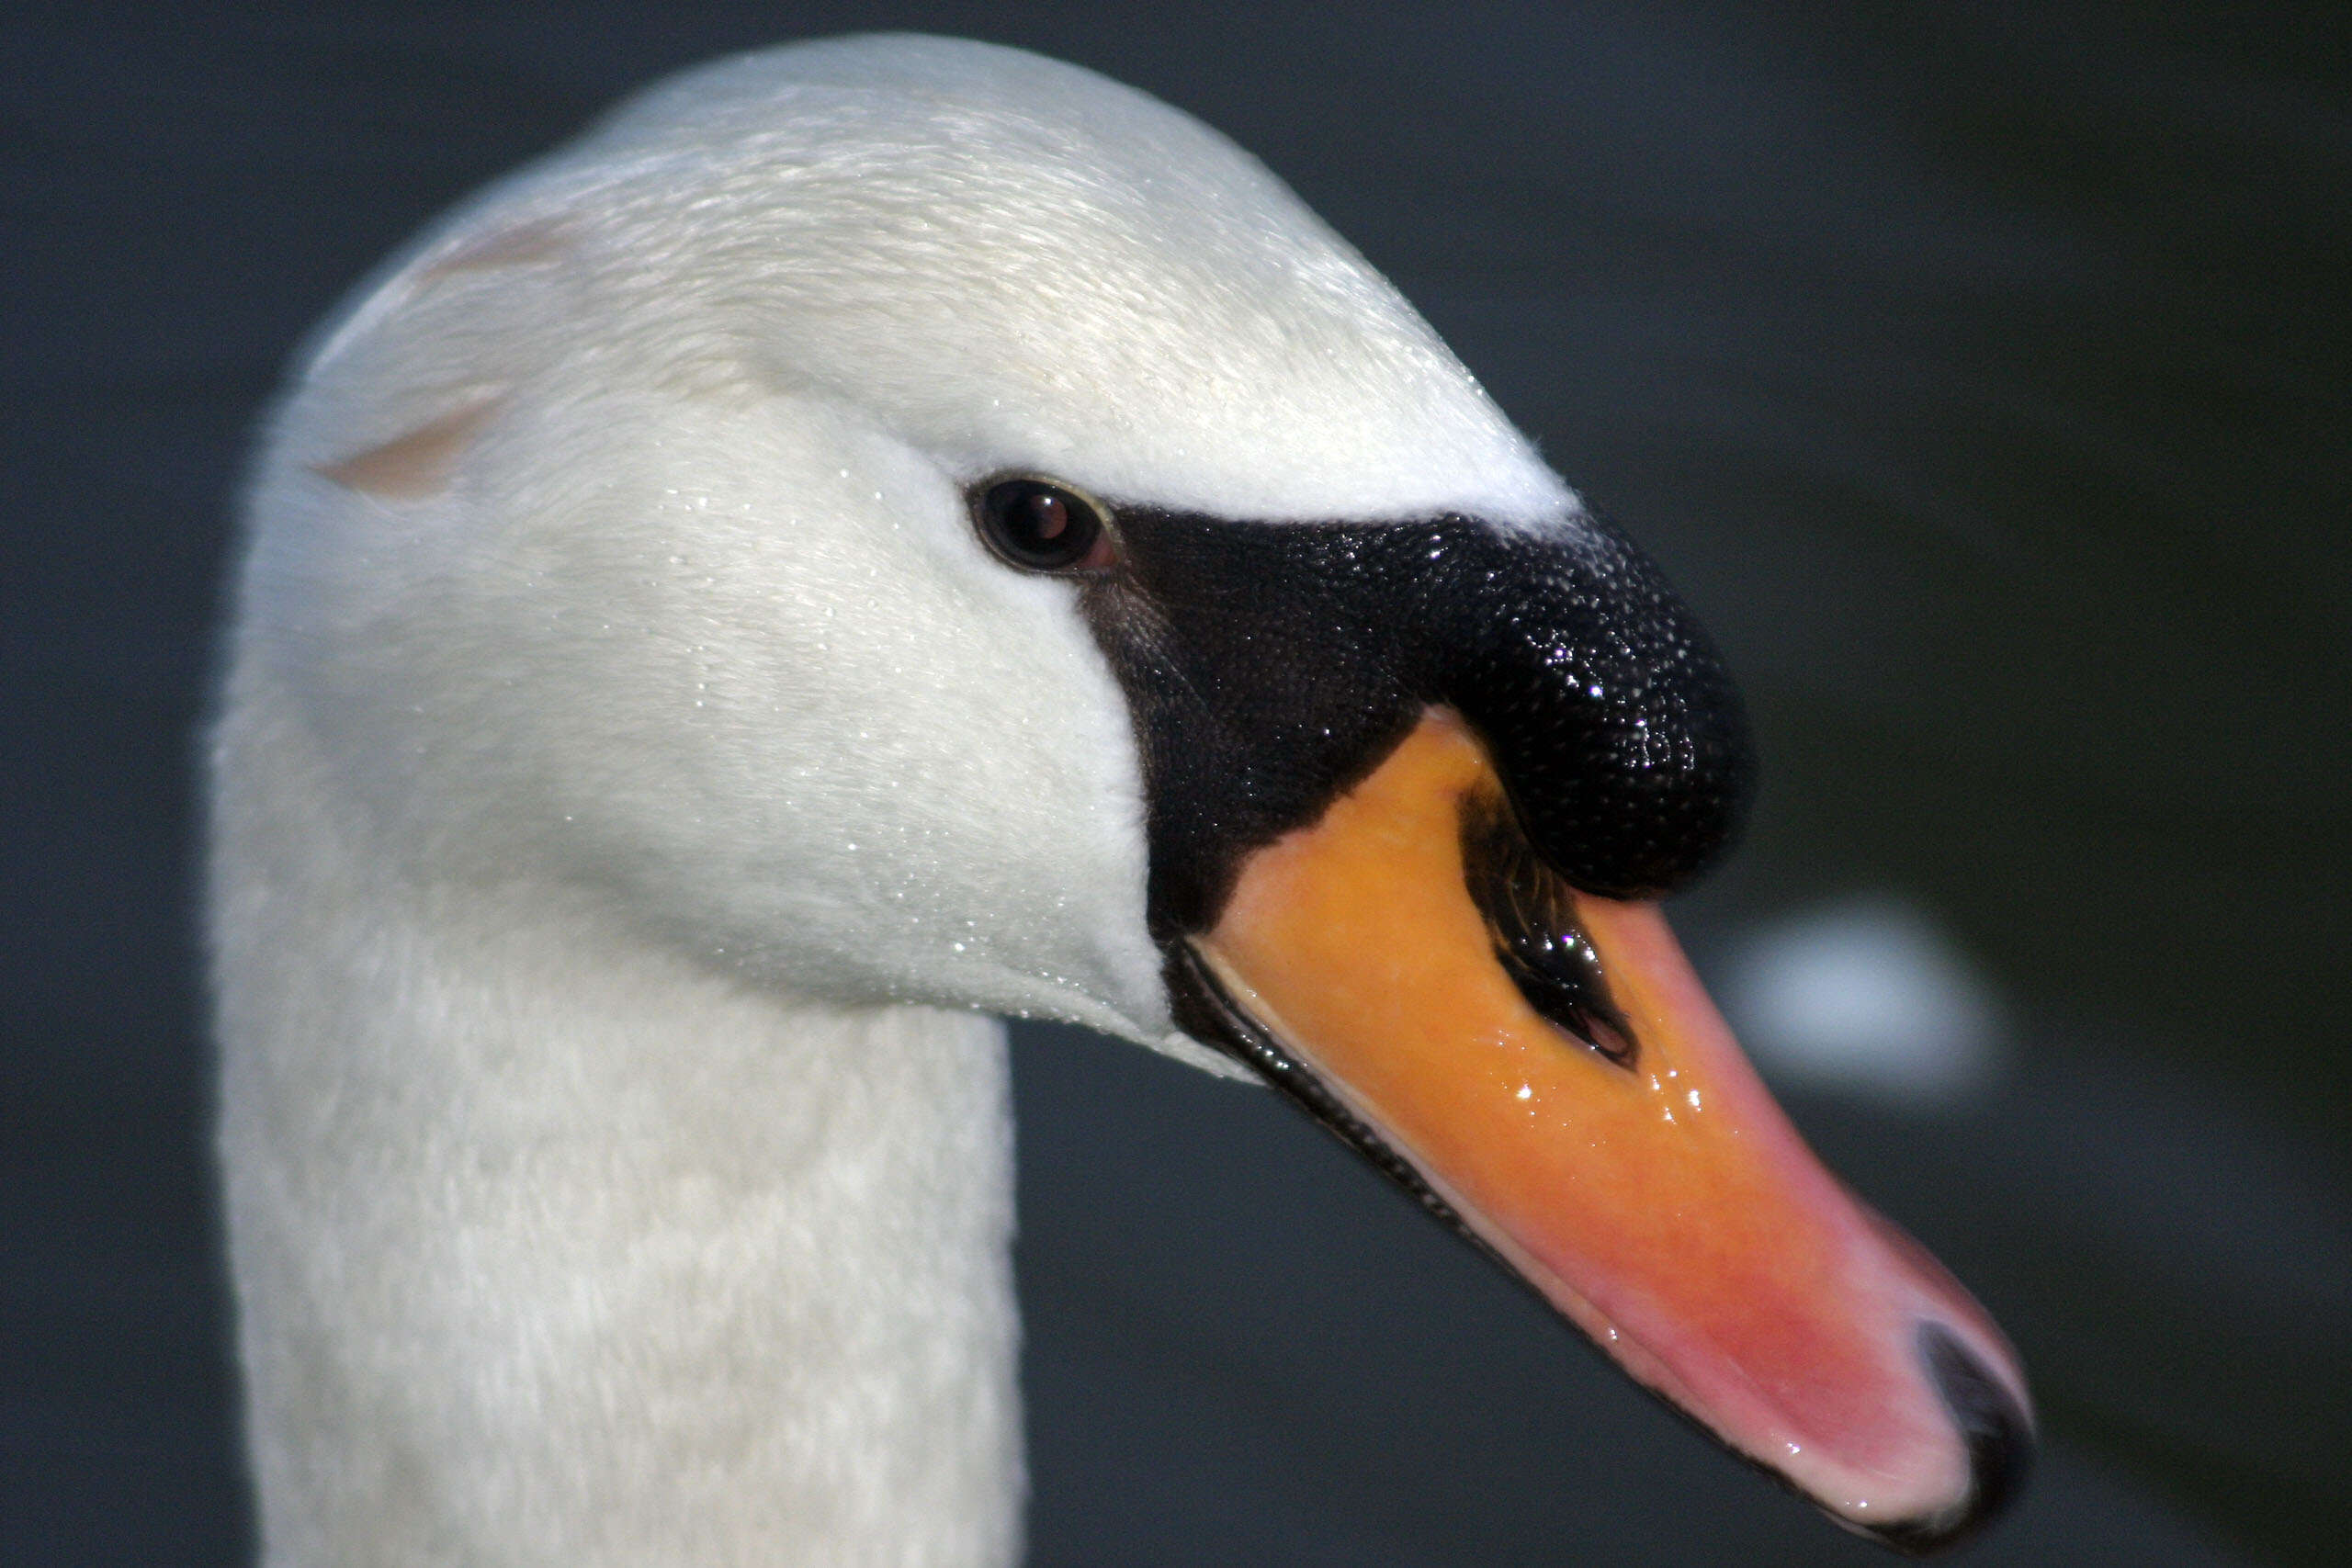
point(553, 1246)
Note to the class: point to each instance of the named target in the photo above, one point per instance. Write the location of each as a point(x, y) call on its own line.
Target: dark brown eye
point(1043, 527)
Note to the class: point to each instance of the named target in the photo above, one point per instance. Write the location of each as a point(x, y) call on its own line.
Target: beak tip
point(1993, 1421)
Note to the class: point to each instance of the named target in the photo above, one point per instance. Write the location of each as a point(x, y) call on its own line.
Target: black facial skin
point(1271, 667)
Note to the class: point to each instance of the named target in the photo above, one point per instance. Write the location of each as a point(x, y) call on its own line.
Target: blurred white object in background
point(1866, 997)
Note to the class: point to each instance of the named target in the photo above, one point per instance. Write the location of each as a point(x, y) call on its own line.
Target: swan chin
point(880, 533)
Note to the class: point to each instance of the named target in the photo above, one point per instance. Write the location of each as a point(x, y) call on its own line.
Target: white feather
point(627, 748)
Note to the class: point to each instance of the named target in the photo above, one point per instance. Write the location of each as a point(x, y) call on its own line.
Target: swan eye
point(1042, 526)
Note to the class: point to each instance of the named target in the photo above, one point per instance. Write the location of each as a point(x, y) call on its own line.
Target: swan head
point(907, 521)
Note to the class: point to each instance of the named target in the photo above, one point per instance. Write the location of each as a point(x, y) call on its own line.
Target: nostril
point(1532, 922)
point(1996, 1429)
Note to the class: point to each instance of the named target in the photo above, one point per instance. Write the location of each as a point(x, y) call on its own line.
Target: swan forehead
point(1018, 264)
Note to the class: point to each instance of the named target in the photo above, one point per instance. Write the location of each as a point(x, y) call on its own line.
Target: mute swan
point(884, 533)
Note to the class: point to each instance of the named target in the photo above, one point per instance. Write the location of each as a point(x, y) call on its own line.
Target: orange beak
point(1614, 1147)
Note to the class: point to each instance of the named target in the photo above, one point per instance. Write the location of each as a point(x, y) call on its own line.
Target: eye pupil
point(1041, 526)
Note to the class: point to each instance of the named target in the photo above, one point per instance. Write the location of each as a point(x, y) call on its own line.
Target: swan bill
point(1571, 1100)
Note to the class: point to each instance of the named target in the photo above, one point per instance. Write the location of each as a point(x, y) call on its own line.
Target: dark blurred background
point(1980, 373)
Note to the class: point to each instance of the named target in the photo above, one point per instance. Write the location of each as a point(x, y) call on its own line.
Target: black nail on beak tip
point(1999, 1438)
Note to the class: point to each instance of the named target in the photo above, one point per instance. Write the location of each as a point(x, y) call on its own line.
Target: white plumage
point(634, 782)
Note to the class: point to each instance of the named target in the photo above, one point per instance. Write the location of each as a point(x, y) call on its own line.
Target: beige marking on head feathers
point(518, 244)
point(417, 464)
